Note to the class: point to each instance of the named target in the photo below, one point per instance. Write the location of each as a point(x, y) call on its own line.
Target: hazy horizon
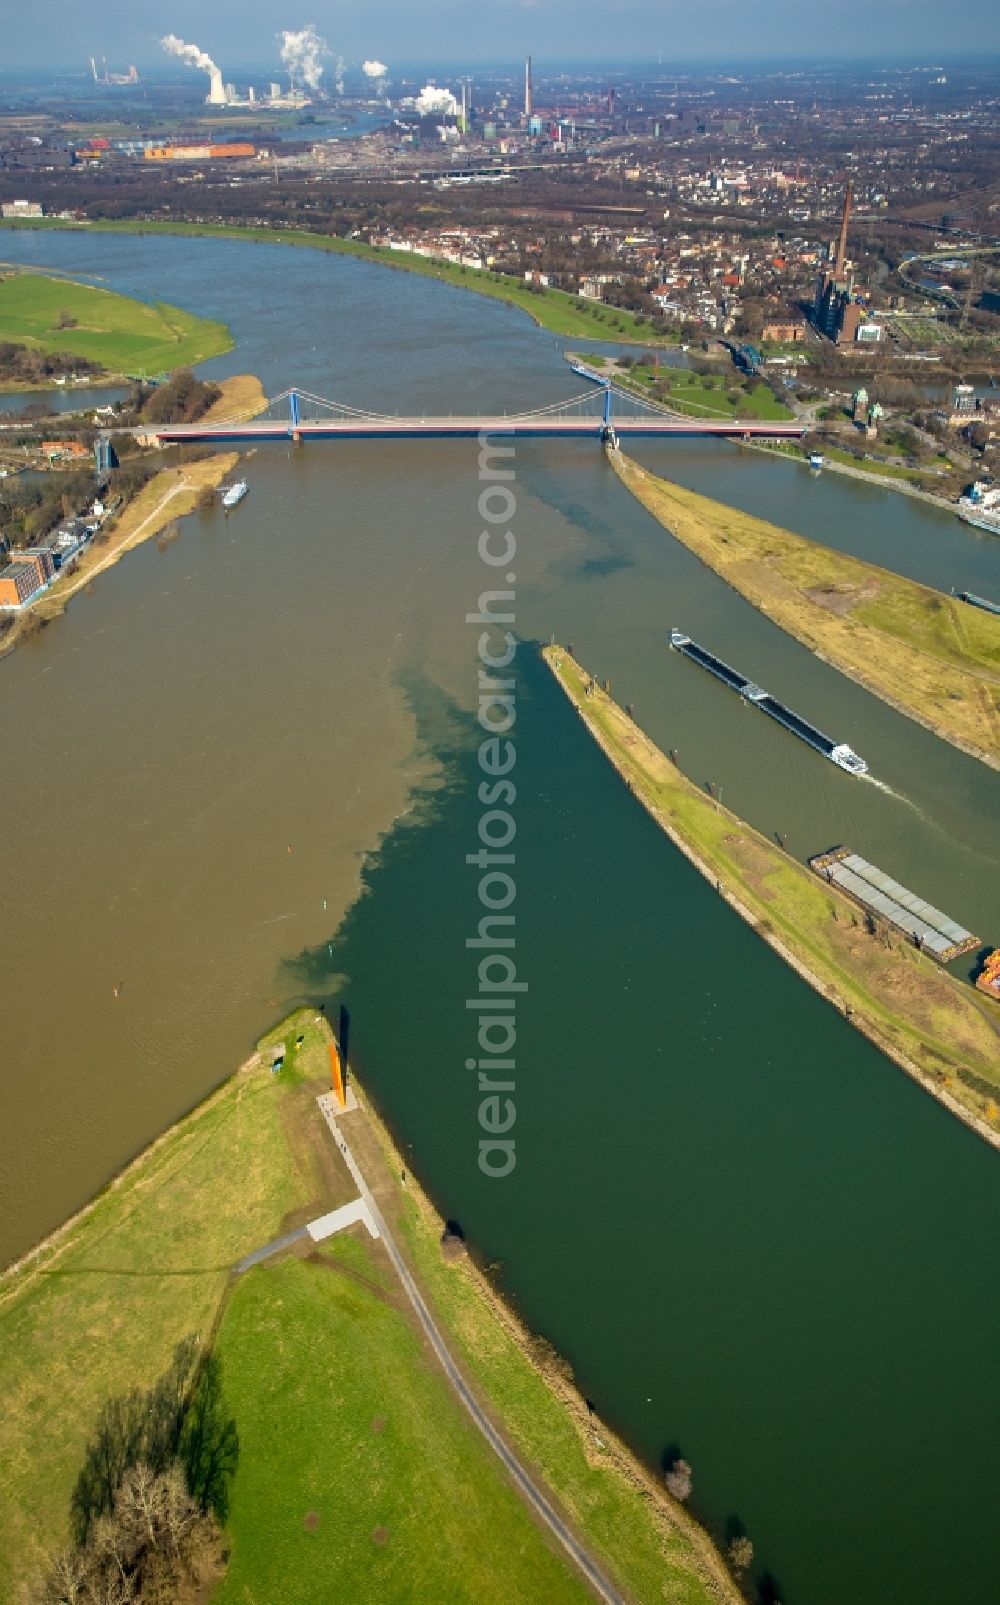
point(243, 34)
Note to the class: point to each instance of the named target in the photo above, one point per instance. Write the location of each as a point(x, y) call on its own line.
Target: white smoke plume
point(188, 53)
point(374, 69)
point(301, 53)
point(338, 75)
point(432, 100)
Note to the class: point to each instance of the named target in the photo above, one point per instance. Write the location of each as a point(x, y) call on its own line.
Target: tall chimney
point(527, 88)
point(838, 266)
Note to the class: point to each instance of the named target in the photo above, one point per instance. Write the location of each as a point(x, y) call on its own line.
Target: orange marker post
point(336, 1076)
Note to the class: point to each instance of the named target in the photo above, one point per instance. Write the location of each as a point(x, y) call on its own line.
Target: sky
point(242, 33)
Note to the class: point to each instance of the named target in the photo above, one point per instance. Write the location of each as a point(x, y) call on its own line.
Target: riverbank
point(169, 495)
point(934, 1027)
point(920, 651)
point(326, 1374)
point(784, 451)
point(555, 310)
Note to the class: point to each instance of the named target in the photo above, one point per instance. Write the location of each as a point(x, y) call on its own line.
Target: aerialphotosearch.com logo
point(499, 989)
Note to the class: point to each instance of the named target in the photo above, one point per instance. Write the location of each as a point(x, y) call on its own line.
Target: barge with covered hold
point(929, 929)
point(838, 752)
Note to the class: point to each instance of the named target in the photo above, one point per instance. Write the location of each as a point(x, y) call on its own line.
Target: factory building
point(198, 153)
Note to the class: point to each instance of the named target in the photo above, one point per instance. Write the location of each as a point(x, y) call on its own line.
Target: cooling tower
point(217, 90)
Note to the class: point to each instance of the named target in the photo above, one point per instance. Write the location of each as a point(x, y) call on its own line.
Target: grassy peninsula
point(936, 1028)
point(557, 310)
point(122, 335)
point(928, 655)
point(357, 1461)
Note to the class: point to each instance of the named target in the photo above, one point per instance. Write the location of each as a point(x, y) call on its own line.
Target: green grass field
point(122, 335)
point(357, 1463)
point(553, 309)
point(705, 397)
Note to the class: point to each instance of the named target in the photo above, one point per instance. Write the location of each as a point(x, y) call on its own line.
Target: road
point(526, 1486)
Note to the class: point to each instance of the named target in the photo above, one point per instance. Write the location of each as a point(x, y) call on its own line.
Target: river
point(754, 1238)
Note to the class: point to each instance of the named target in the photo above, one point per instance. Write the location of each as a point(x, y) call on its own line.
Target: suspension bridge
point(604, 414)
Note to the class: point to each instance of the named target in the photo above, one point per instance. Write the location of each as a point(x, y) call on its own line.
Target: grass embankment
point(552, 309)
point(357, 1465)
point(169, 495)
point(936, 1027)
point(930, 656)
point(123, 335)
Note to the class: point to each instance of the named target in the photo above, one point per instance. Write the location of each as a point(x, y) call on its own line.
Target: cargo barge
point(838, 752)
point(866, 884)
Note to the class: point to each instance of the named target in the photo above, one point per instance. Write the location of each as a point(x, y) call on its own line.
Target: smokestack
point(216, 88)
point(838, 266)
point(527, 88)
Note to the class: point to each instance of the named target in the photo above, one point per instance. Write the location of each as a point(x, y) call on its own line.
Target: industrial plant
point(300, 53)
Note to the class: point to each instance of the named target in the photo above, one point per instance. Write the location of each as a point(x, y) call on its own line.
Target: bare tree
point(740, 1553)
point(678, 1480)
point(140, 1552)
